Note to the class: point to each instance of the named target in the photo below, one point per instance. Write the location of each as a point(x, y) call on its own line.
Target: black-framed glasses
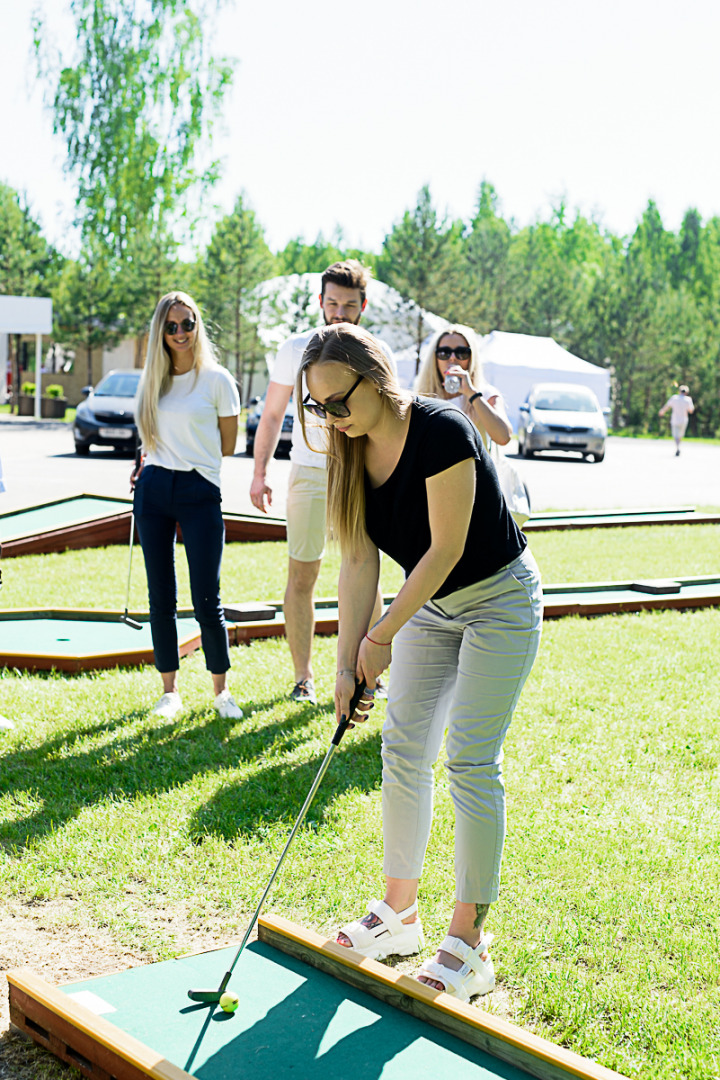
point(188, 325)
point(462, 352)
point(331, 408)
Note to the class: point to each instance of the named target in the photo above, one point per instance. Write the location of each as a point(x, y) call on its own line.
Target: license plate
point(116, 433)
point(567, 440)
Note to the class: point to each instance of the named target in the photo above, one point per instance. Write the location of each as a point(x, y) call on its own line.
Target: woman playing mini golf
point(409, 476)
point(187, 415)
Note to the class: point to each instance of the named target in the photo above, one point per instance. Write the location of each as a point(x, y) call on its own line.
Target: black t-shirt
point(396, 513)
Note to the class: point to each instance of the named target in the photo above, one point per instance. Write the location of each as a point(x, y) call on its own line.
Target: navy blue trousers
point(165, 498)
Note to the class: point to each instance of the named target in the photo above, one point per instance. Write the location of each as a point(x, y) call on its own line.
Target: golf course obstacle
point(616, 519)
point(85, 521)
point(85, 640)
point(307, 1008)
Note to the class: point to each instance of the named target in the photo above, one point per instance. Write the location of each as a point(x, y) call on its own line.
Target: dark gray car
point(107, 416)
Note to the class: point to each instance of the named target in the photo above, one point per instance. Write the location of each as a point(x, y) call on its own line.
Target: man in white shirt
point(681, 405)
point(342, 300)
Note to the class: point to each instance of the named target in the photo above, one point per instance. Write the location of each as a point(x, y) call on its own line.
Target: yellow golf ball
point(229, 1002)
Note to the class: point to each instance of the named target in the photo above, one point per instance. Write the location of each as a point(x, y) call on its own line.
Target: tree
point(421, 259)
point(29, 266)
point(237, 260)
point(486, 292)
point(89, 314)
point(136, 109)
point(297, 257)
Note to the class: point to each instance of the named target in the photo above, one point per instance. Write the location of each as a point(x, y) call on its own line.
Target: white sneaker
point(227, 707)
point(168, 706)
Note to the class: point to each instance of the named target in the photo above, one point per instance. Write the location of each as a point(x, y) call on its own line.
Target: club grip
point(343, 725)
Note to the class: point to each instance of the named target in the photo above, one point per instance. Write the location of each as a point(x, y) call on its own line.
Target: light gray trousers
point(460, 663)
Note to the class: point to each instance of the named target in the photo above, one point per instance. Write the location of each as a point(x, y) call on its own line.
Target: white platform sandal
point(476, 976)
point(391, 936)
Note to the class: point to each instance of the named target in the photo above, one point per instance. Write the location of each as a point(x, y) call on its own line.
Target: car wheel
point(527, 452)
point(82, 449)
point(249, 447)
point(599, 457)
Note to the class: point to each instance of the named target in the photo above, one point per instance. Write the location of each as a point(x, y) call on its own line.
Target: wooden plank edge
point(96, 532)
point(102, 1031)
point(609, 523)
point(499, 1037)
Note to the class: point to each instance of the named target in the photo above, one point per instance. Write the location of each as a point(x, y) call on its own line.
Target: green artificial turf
point(607, 924)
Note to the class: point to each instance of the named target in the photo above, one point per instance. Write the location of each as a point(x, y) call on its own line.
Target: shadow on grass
point(67, 778)
point(278, 792)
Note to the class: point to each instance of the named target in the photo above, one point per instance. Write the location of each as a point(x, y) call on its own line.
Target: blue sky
point(339, 115)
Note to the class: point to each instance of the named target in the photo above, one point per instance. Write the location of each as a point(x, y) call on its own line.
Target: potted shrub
point(52, 404)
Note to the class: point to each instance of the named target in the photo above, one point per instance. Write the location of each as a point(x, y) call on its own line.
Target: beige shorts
point(306, 500)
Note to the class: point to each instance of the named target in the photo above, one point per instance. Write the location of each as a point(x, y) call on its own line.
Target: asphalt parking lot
point(39, 465)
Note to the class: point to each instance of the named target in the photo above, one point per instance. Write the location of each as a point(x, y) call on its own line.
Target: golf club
point(125, 618)
point(212, 997)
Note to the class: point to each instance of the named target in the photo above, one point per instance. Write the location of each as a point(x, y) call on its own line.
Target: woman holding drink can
point(452, 371)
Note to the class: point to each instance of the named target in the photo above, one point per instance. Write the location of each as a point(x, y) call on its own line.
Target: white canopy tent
point(28, 315)
point(515, 362)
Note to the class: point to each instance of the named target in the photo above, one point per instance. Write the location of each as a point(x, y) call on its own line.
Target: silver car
point(562, 416)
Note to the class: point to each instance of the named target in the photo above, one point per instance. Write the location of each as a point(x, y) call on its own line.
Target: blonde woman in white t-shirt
point(187, 414)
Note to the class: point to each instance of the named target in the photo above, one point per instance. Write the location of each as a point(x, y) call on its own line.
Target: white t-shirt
point(458, 401)
point(285, 371)
point(681, 406)
point(188, 436)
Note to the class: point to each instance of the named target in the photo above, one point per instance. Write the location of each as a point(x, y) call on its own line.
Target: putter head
point(130, 622)
point(207, 997)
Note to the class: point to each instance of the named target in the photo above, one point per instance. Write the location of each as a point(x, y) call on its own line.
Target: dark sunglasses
point(331, 408)
point(462, 352)
point(188, 325)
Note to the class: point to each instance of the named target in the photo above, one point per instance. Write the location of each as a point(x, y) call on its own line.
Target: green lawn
point(607, 925)
point(98, 578)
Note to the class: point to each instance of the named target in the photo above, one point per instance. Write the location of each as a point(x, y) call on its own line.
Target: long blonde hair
point(156, 378)
point(359, 353)
point(429, 381)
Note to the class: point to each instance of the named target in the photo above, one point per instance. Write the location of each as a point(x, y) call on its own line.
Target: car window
point(565, 401)
point(119, 384)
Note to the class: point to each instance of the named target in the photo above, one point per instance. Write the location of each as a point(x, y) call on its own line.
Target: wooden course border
point(91, 1044)
point(586, 600)
point(537, 1056)
point(101, 530)
point(73, 664)
point(102, 1051)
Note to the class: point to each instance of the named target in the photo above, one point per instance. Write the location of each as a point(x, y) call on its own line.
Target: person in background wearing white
point(452, 371)
point(5, 724)
point(187, 414)
point(342, 299)
point(681, 405)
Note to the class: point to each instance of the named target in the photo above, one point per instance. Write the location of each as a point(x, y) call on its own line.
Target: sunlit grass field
point(607, 925)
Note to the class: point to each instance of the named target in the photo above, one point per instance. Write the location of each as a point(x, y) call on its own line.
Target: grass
point(98, 577)
point(607, 925)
